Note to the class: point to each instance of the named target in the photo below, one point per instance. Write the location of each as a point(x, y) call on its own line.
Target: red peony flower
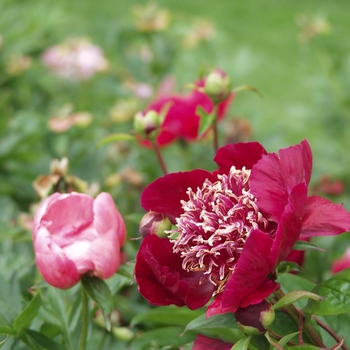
point(233, 226)
point(205, 343)
point(182, 120)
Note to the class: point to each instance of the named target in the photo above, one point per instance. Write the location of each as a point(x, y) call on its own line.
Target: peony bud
point(255, 319)
point(217, 86)
point(74, 234)
point(154, 223)
point(147, 124)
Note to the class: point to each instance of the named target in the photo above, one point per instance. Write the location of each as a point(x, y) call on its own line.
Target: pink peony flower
point(205, 343)
point(233, 226)
point(74, 234)
point(341, 263)
point(182, 120)
point(75, 59)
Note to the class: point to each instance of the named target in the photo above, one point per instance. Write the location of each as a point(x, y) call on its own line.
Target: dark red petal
point(323, 218)
point(240, 155)
point(273, 177)
point(289, 225)
point(251, 270)
point(164, 195)
point(205, 343)
point(161, 279)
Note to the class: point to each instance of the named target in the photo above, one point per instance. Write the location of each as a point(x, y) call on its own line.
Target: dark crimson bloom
point(182, 120)
point(205, 343)
point(233, 227)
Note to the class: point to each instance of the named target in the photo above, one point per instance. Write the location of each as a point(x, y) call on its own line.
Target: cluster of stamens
point(217, 220)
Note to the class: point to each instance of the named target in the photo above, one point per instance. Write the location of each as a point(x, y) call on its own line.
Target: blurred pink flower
point(341, 263)
point(74, 234)
point(75, 59)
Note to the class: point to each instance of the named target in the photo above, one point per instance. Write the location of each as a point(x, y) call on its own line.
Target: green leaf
point(336, 292)
point(24, 319)
point(242, 344)
point(260, 342)
point(287, 338)
point(7, 330)
point(99, 292)
point(288, 266)
point(116, 138)
point(246, 88)
point(206, 120)
point(302, 245)
point(292, 297)
point(161, 337)
point(44, 341)
point(166, 315)
point(218, 321)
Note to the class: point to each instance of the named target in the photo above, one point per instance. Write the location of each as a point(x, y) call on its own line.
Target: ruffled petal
point(273, 177)
point(164, 195)
point(254, 263)
point(323, 218)
point(289, 226)
point(161, 279)
point(240, 155)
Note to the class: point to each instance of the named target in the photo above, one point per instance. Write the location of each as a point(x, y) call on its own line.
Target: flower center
point(217, 220)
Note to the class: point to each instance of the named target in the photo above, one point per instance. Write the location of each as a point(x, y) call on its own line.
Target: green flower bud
point(255, 319)
point(146, 124)
point(154, 223)
point(217, 86)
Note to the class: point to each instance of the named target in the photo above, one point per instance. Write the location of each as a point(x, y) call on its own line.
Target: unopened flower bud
point(154, 223)
point(255, 319)
point(147, 123)
point(217, 86)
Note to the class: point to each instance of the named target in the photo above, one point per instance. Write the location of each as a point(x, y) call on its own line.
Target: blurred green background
point(296, 53)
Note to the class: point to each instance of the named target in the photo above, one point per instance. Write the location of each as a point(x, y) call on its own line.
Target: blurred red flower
point(74, 234)
point(182, 120)
point(233, 226)
point(205, 343)
point(341, 263)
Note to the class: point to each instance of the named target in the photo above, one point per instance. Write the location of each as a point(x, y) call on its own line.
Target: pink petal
point(164, 195)
point(289, 226)
point(251, 270)
point(323, 218)
point(205, 343)
point(111, 235)
point(273, 177)
point(239, 155)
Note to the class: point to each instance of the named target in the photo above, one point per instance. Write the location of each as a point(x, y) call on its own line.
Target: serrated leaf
point(302, 245)
point(116, 138)
point(336, 292)
point(218, 321)
point(44, 341)
point(24, 319)
point(292, 297)
point(166, 315)
point(99, 292)
point(242, 344)
point(205, 121)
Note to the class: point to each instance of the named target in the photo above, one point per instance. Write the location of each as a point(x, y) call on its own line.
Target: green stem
point(84, 319)
point(159, 157)
point(215, 128)
point(297, 315)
